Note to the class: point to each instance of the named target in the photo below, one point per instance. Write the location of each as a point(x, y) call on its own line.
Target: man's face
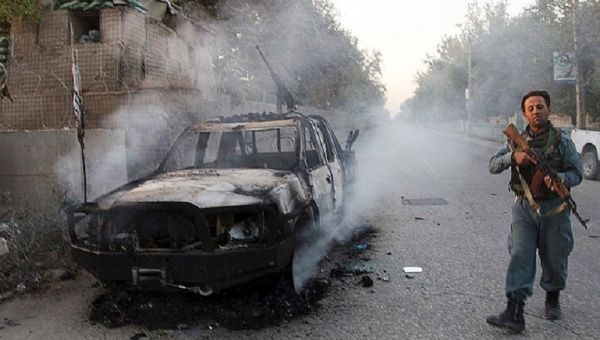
point(536, 112)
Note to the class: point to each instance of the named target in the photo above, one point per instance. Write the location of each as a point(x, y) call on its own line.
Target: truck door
point(319, 174)
point(334, 163)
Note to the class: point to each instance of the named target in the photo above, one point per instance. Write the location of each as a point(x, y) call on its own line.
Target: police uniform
point(547, 230)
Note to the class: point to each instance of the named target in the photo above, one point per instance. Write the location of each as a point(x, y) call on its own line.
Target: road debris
point(138, 335)
point(250, 306)
point(350, 270)
point(366, 281)
point(3, 246)
point(418, 218)
point(424, 201)
point(360, 246)
point(411, 271)
point(60, 274)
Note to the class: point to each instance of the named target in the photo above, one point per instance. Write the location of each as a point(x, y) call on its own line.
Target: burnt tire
point(306, 229)
point(305, 233)
point(591, 168)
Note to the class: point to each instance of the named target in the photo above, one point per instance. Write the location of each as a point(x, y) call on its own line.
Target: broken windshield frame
point(255, 145)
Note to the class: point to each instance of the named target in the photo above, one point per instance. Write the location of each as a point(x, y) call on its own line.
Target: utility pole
point(579, 81)
point(468, 92)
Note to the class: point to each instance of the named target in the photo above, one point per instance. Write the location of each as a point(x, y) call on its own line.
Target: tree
point(12, 11)
point(511, 55)
point(319, 61)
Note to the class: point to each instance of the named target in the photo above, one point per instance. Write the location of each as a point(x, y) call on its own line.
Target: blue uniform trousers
point(553, 239)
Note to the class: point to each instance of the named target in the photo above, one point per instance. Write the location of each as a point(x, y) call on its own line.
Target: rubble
point(366, 281)
point(60, 274)
point(411, 271)
point(360, 246)
point(138, 335)
point(252, 306)
point(3, 246)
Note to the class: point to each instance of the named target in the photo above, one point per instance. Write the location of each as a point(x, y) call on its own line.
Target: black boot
point(552, 306)
point(512, 317)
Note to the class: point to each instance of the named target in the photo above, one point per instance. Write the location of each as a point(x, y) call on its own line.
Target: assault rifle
point(544, 169)
point(283, 94)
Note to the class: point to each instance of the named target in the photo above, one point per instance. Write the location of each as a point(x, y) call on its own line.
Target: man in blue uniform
point(548, 229)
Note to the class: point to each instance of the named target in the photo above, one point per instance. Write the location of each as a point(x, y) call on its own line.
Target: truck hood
point(213, 188)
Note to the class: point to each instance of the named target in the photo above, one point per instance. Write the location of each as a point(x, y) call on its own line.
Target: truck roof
point(247, 126)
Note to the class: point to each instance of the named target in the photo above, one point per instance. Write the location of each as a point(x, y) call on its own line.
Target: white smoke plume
point(375, 153)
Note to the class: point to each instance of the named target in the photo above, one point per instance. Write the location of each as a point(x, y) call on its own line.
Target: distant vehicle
point(226, 205)
point(587, 143)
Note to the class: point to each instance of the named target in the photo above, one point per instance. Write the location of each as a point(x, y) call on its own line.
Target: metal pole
point(469, 92)
point(579, 81)
point(78, 111)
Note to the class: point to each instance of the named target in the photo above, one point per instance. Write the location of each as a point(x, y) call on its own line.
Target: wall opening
point(86, 27)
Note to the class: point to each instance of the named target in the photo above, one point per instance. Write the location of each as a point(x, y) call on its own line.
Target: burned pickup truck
point(225, 206)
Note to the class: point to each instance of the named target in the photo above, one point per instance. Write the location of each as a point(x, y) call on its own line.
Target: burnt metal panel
point(208, 127)
point(216, 270)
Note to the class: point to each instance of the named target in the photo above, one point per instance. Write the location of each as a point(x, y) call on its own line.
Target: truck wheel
point(305, 234)
point(307, 227)
point(590, 164)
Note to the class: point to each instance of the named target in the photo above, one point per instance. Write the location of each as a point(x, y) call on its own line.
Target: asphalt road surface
point(429, 196)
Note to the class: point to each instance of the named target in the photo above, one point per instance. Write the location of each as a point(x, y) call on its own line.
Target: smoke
point(376, 151)
point(132, 147)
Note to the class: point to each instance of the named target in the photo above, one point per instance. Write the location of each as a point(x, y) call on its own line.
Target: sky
point(405, 32)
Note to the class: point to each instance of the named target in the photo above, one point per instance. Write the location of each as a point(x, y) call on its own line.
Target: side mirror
point(352, 136)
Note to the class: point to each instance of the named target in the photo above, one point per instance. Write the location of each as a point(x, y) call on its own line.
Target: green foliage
point(12, 11)
point(510, 56)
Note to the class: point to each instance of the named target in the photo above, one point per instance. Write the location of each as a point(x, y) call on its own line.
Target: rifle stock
point(513, 134)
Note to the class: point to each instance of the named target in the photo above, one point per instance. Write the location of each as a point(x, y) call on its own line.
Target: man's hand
point(551, 184)
point(522, 158)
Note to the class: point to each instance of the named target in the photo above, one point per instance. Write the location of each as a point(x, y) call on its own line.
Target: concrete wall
point(486, 131)
point(493, 132)
point(40, 169)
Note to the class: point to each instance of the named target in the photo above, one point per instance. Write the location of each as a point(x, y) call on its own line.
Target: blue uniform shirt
point(571, 171)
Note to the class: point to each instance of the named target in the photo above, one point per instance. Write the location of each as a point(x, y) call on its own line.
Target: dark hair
point(542, 94)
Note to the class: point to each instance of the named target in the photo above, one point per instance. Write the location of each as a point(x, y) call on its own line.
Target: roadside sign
point(565, 68)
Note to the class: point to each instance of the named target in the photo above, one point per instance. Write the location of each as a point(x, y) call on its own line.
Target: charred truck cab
point(224, 207)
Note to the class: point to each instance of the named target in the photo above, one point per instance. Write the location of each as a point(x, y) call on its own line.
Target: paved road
point(461, 247)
